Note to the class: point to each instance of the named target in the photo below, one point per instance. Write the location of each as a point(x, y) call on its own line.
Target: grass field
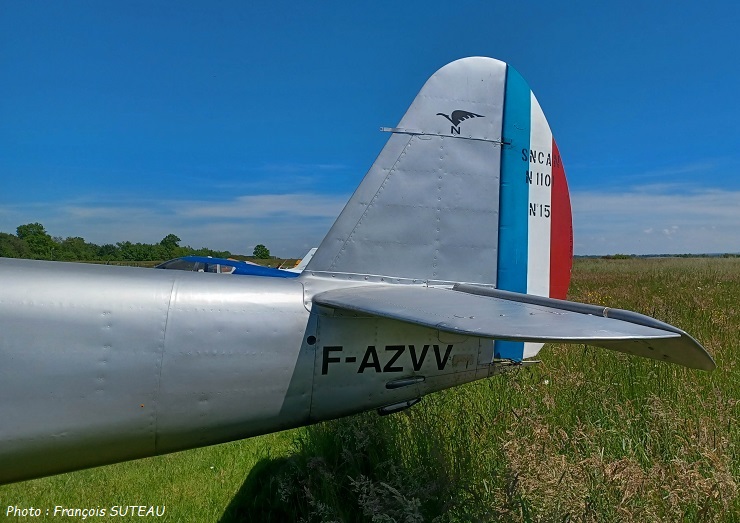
point(588, 435)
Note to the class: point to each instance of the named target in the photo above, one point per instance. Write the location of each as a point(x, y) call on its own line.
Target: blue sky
point(237, 123)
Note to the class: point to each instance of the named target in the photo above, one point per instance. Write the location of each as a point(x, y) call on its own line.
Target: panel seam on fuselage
point(161, 365)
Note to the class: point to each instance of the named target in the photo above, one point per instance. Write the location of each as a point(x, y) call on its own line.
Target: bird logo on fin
point(457, 117)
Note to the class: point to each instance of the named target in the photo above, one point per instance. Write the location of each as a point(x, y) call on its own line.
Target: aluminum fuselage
point(103, 364)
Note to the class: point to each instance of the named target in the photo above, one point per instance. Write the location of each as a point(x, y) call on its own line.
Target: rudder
point(536, 229)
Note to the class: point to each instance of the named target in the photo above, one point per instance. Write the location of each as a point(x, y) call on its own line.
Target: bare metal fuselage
point(103, 364)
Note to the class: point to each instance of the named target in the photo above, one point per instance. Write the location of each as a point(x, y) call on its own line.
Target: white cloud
point(289, 224)
point(653, 220)
point(688, 168)
point(263, 205)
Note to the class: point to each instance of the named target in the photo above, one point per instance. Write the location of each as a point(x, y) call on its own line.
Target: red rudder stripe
point(561, 231)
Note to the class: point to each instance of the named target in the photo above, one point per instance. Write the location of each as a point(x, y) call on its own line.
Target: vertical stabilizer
point(428, 207)
point(469, 188)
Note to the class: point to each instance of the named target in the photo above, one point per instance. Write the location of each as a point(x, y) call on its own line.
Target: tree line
point(33, 241)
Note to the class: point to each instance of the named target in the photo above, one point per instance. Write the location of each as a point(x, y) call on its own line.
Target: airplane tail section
point(469, 188)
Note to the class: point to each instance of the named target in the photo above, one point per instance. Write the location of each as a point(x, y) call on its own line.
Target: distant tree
point(138, 251)
point(32, 241)
point(204, 251)
point(40, 243)
point(13, 247)
point(107, 252)
point(170, 245)
point(171, 241)
point(261, 252)
point(75, 248)
point(30, 230)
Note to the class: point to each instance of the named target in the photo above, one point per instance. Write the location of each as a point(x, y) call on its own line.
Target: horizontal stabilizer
point(512, 316)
